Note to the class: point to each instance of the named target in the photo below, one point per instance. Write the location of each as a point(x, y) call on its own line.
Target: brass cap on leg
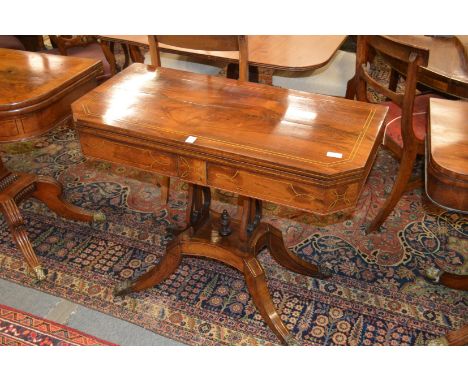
point(38, 273)
point(99, 217)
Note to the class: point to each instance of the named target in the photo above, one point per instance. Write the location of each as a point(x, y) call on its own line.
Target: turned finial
point(225, 221)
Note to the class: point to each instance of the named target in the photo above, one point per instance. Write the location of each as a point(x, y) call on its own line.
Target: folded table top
point(448, 137)
point(302, 133)
point(30, 79)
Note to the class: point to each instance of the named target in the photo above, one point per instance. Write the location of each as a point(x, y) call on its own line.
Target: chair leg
point(393, 81)
point(351, 88)
point(164, 184)
point(110, 57)
point(404, 175)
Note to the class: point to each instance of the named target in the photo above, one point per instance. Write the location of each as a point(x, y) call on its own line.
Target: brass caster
point(325, 271)
point(123, 288)
point(38, 273)
point(433, 274)
point(440, 341)
point(99, 217)
point(290, 340)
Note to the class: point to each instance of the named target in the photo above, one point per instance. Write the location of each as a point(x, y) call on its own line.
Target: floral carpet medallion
point(376, 296)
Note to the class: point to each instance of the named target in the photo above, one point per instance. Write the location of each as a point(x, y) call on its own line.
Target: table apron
point(308, 194)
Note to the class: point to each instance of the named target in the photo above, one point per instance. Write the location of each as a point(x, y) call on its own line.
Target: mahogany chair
point(11, 42)
point(210, 43)
point(407, 117)
point(83, 46)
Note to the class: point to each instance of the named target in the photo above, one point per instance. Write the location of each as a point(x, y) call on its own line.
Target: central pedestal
point(236, 243)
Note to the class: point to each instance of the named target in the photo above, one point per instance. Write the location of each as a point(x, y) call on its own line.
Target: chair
point(82, 46)
point(210, 43)
point(407, 117)
point(11, 42)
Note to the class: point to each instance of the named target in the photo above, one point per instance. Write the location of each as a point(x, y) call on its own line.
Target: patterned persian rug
point(376, 296)
point(18, 328)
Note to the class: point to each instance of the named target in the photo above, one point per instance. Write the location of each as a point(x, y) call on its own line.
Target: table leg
point(16, 224)
point(451, 280)
point(285, 258)
point(164, 184)
point(49, 191)
point(232, 71)
point(215, 236)
point(265, 76)
point(15, 187)
point(457, 337)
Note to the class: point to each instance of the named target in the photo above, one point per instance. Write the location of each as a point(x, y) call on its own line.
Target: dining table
point(266, 53)
point(447, 69)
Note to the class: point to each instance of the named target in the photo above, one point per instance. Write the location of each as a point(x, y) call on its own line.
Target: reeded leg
point(50, 192)
point(168, 265)
point(256, 283)
point(16, 224)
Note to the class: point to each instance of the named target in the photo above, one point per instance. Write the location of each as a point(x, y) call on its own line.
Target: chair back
point(411, 56)
point(210, 43)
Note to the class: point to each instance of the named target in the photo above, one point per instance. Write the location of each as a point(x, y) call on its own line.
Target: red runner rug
point(18, 328)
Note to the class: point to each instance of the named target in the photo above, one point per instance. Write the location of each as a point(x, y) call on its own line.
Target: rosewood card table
point(37, 89)
point(447, 182)
point(35, 93)
point(302, 150)
point(269, 53)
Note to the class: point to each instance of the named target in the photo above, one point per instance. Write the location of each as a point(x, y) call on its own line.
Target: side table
point(36, 91)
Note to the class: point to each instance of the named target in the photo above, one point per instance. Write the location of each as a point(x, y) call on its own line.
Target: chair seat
point(92, 50)
point(420, 111)
point(11, 42)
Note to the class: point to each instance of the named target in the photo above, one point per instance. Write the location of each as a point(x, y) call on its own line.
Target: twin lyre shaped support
point(236, 243)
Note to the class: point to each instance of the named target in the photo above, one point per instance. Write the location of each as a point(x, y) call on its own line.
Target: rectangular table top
point(292, 53)
point(28, 78)
point(294, 131)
